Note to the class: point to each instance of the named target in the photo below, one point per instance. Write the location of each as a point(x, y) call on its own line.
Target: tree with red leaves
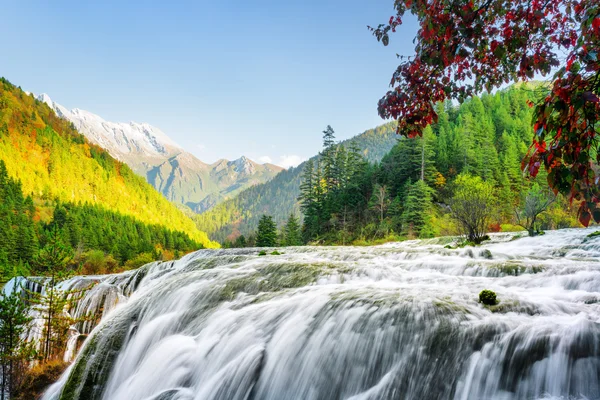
point(465, 47)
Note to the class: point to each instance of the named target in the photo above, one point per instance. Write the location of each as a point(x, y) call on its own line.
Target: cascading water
point(399, 321)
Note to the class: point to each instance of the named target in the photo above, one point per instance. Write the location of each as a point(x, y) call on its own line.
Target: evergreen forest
point(475, 147)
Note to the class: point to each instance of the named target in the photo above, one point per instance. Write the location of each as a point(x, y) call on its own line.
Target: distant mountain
point(53, 161)
point(278, 197)
point(177, 174)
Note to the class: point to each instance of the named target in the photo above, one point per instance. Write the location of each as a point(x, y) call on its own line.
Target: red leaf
point(584, 215)
point(534, 169)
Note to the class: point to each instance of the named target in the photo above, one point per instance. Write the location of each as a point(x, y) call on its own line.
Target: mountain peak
point(122, 140)
point(243, 165)
point(45, 99)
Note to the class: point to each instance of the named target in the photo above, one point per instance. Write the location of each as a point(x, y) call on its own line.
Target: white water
point(398, 321)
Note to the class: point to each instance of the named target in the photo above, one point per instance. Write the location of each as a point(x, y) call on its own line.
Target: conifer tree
point(292, 232)
point(415, 217)
point(52, 261)
point(328, 159)
point(15, 353)
point(266, 235)
point(309, 200)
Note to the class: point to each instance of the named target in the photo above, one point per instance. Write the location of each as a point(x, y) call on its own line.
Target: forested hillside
point(53, 161)
point(279, 197)
point(100, 240)
point(471, 157)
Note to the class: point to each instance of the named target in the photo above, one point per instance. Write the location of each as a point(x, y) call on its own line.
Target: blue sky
point(223, 78)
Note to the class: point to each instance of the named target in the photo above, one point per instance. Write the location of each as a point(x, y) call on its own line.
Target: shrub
point(488, 297)
point(262, 253)
point(276, 253)
point(139, 260)
point(472, 206)
point(511, 228)
point(38, 378)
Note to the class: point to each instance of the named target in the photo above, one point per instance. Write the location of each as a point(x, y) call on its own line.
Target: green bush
point(511, 228)
point(488, 297)
point(262, 253)
point(139, 260)
point(276, 253)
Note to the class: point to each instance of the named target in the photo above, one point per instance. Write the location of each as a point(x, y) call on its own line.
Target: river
point(397, 321)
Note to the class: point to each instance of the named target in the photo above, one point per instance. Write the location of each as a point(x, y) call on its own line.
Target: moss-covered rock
point(516, 268)
point(93, 365)
point(486, 254)
point(488, 297)
point(270, 278)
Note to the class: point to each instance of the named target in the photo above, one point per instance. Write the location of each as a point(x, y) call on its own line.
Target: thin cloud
point(265, 159)
point(292, 160)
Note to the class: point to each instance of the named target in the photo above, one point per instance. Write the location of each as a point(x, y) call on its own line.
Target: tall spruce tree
point(415, 217)
point(292, 232)
point(309, 200)
point(328, 160)
point(266, 235)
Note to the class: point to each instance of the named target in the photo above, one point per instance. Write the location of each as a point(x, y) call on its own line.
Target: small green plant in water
point(276, 253)
point(262, 253)
point(488, 297)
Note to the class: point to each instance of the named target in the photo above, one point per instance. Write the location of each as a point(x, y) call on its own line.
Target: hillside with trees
point(100, 241)
point(463, 176)
point(53, 162)
point(279, 197)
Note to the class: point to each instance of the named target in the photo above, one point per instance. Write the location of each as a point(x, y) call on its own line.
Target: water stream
point(398, 321)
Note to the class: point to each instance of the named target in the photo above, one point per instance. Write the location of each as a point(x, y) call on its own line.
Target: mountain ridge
point(179, 175)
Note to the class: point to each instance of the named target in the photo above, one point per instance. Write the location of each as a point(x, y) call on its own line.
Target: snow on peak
point(122, 140)
point(46, 99)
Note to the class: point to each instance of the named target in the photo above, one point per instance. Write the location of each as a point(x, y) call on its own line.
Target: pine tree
point(309, 200)
point(266, 235)
point(51, 305)
point(292, 232)
point(52, 260)
point(418, 205)
point(15, 353)
point(55, 256)
point(328, 160)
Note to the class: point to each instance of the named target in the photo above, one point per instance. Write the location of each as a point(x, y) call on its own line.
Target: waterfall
point(397, 321)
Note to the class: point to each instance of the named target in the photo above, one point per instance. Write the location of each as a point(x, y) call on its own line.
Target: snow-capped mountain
point(126, 142)
point(179, 175)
